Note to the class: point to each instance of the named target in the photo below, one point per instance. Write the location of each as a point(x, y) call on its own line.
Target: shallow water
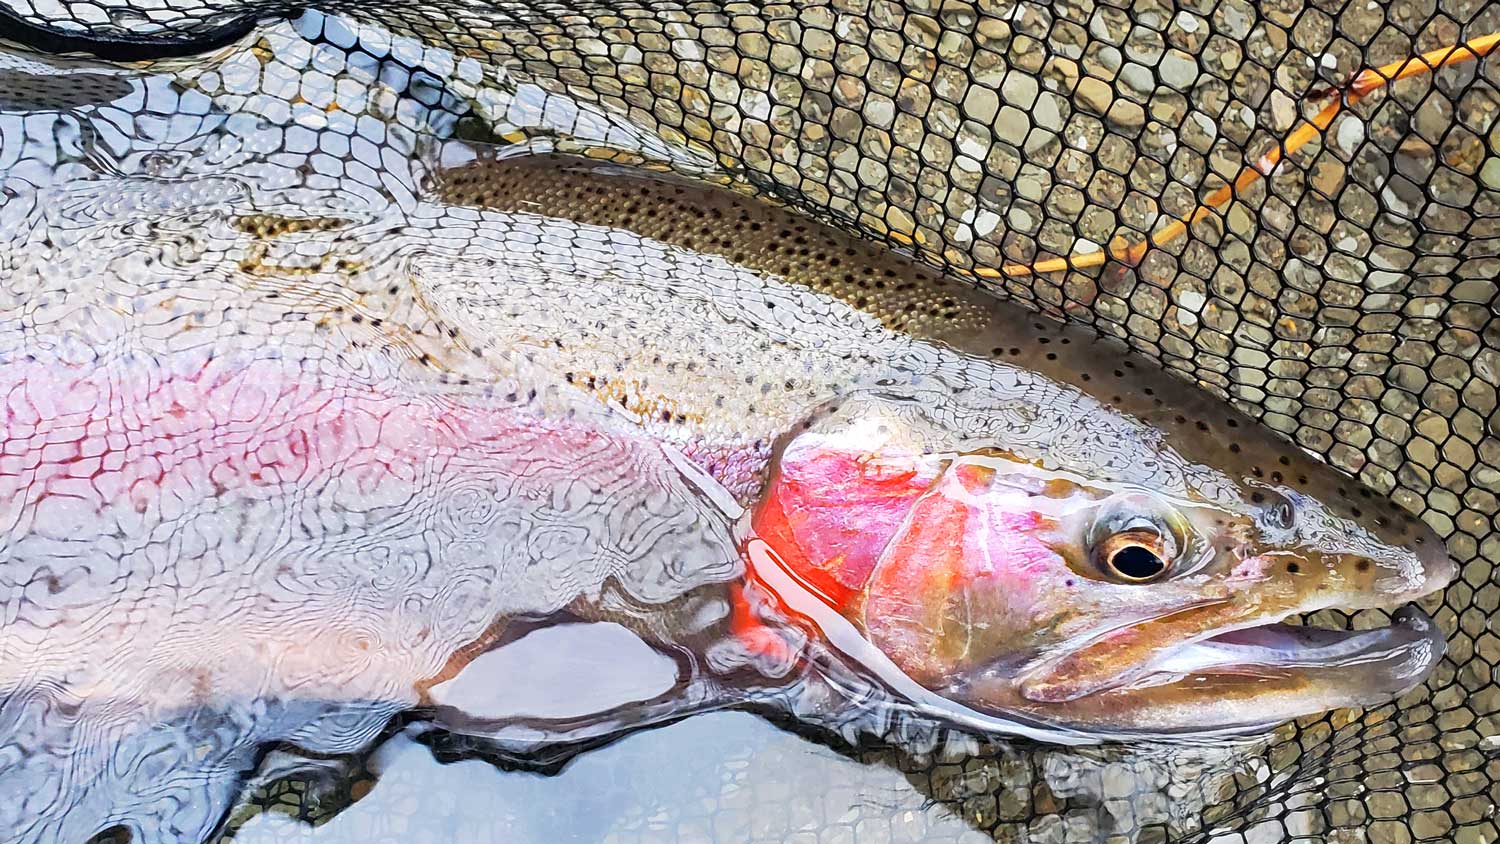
point(720, 777)
point(303, 167)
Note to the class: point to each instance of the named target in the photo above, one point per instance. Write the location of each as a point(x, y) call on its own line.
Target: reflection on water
point(272, 481)
point(734, 777)
point(721, 777)
point(621, 670)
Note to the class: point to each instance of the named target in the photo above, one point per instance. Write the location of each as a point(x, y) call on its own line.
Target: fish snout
point(1377, 559)
point(1412, 568)
point(1438, 566)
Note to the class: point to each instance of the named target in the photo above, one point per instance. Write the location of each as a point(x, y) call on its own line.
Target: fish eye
point(1136, 555)
point(1137, 539)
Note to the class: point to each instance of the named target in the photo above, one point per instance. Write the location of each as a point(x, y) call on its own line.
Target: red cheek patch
point(919, 575)
point(829, 514)
point(915, 552)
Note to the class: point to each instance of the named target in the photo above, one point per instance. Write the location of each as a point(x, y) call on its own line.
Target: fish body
point(261, 507)
point(975, 443)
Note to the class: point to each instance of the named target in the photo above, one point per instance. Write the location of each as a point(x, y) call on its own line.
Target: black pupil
point(1137, 562)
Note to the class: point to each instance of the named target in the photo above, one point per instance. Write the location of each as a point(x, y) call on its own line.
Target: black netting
point(1345, 296)
point(143, 31)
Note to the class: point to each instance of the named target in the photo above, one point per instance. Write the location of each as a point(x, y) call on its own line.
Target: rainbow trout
point(276, 480)
point(1020, 515)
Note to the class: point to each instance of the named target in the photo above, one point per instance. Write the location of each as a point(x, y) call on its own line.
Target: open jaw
point(1394, 658)
point(1242, 679)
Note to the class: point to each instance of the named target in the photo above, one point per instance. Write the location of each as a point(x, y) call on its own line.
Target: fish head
point(1084, 570)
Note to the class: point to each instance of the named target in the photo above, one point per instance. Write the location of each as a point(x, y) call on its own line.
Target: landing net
point(1294, 204)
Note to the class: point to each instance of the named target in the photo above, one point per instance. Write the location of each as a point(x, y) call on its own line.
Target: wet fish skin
point(911, 300)
point(1276, 533)
point(23, 91)
point(208, 552)
point(400, 399)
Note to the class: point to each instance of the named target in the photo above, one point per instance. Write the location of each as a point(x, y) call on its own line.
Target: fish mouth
point(1372, 664)
point(1234, 663)
point(1246, 678)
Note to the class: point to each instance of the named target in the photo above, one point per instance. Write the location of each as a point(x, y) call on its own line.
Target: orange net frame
point(1362, 85)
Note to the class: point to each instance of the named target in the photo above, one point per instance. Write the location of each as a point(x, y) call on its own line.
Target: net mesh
point(1338, 168)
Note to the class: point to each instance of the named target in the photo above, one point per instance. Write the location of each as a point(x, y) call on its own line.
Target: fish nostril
point(1277, 510)
point(1282, 514)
